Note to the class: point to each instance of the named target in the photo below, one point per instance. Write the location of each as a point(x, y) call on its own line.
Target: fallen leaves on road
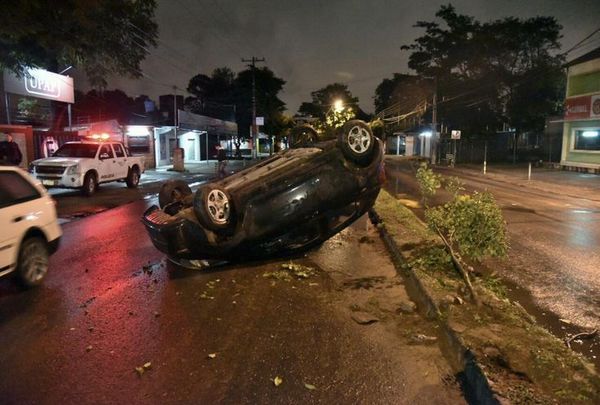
point(88, 302)
point(290, 271)
point(142, 369)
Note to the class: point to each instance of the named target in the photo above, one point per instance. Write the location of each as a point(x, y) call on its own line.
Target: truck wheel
point(33, 262)
point(357, 141)
point(171, 191)
point(213, 208)
point(90, 184)
point(133, 177)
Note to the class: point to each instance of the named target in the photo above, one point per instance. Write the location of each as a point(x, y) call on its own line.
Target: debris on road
point(212, 355)
point(407, 307)
point(142, 369)
point(291, 271)
point(363, 318)
point(277, 381)
point(309, 386)
point(422, 339)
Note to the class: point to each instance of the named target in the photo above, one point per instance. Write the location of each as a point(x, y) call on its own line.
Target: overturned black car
point(290, 202)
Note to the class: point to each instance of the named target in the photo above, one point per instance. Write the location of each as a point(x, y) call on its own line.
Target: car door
point(19, 200)
point(106, 166)
point(121, 166)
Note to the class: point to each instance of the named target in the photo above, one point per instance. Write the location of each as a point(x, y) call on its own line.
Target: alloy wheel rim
point(35, 264)
point(359, 139)
point(217, 204)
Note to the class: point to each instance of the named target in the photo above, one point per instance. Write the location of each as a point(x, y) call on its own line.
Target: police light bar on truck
point(99, 137)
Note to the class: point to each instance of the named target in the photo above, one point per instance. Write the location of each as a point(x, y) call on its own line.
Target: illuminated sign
point(583, 107)
point(41, 84)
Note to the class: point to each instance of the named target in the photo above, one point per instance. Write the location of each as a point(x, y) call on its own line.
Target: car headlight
point(73, 169)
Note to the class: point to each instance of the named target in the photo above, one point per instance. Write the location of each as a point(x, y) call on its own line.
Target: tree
point(268, 103)
point(101, 37)
point(324, 98)
point(104, 105)
point(403, 92)
point(214, 95)
point(485, 71)
point(471, 226)
point(228, 96)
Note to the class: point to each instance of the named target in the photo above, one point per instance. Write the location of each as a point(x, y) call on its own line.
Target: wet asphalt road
point(554, 243)
point(112, 303)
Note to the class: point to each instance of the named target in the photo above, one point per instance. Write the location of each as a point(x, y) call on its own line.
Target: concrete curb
point(460, 357)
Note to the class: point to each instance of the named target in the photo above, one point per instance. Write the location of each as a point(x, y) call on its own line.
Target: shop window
point(139, 144)
point(587, 139)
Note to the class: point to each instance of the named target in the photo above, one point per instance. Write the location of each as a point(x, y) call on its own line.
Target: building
point(581, 126)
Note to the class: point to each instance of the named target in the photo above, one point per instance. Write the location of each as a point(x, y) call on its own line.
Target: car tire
point(90, 184)
point(133, 177)
point(214, 208)
point(303, 136)
point(357, 141)
point(32, 265)
point(171, 191)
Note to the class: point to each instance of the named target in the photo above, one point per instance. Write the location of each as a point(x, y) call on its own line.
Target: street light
point(338, 105)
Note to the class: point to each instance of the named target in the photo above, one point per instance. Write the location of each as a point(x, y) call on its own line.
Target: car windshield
point(77, 150)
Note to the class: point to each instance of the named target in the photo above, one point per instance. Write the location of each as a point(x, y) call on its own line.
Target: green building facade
point(581, 127)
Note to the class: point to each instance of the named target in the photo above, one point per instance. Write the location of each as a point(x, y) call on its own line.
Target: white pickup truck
point(86, 164)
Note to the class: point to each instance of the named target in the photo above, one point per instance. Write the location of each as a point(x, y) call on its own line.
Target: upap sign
point(42, 84)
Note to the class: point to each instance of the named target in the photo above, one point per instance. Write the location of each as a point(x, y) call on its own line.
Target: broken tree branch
point(458, 265)
point(583, 335)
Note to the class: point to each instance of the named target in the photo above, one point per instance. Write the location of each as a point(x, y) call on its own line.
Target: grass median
point(522, 361)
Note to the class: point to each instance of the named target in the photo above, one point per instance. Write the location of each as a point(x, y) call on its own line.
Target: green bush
point(472, 223)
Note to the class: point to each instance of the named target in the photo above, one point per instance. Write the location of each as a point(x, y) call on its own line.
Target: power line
point(582, 41)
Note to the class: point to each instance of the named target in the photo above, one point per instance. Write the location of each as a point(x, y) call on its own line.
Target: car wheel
point(171, 191)
point(133, 178)
point(213, 208)
point(33, 262)
point(90, 184)
point(303, 136)
point(357, 141)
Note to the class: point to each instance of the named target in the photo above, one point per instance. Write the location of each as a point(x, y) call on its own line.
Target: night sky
point(312, 43)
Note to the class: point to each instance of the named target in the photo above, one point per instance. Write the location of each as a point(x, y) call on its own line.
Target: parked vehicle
point(30, 230)
point(292, 201)
point(86, 164)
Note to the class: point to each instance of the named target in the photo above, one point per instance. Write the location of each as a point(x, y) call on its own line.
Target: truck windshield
point(77, 150)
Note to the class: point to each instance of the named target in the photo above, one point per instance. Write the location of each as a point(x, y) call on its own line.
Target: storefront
point(35, 84)
point(581, 127)
point(139, 139)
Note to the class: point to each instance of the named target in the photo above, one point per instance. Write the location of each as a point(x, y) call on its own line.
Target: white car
point(86, 164)
point(30, 230)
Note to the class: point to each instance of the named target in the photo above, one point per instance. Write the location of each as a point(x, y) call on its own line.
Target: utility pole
point(175, 107)
point(252, 66)
point(434, 134)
